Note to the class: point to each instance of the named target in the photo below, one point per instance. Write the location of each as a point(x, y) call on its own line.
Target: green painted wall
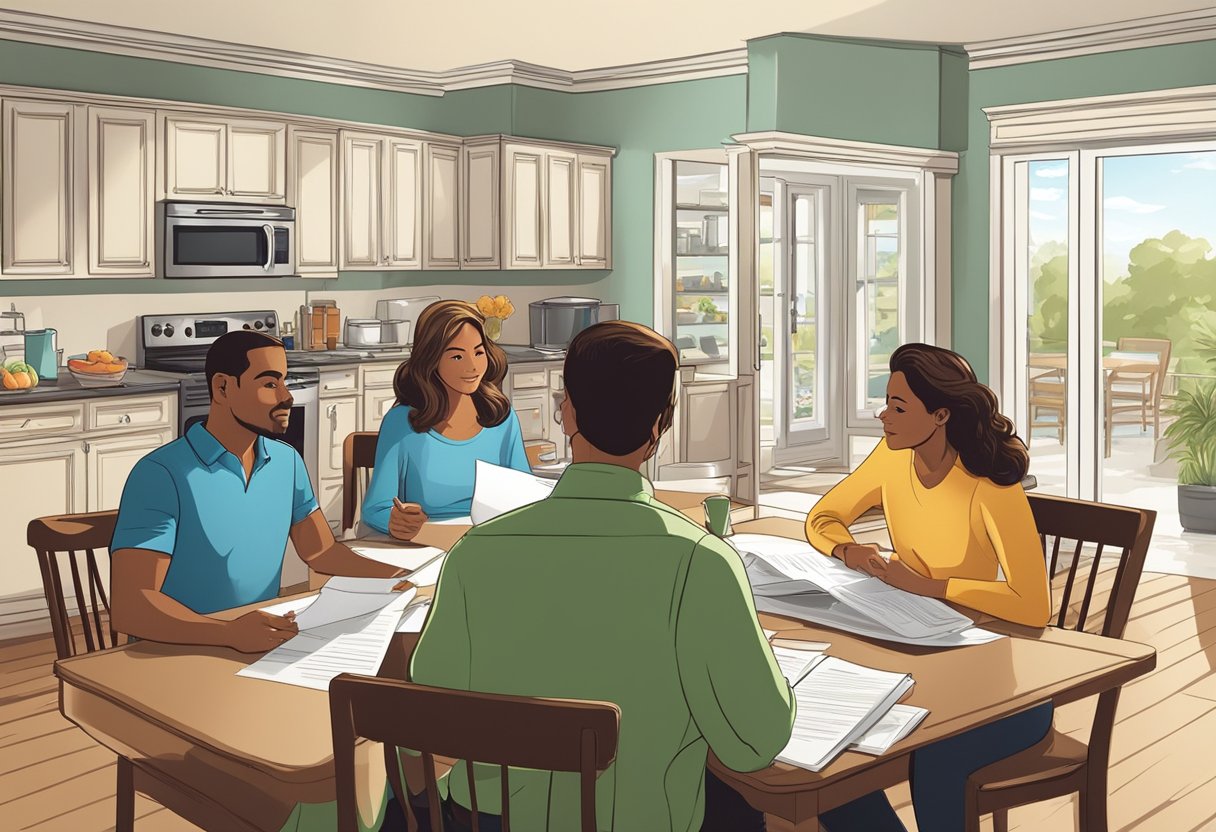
point(1135, 70)
point(847, 89)
point(640, 121)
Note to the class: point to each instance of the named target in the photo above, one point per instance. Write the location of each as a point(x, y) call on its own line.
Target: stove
point(179, 344)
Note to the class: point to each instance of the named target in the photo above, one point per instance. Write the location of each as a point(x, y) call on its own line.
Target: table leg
point(124, 813)
point(776, 823)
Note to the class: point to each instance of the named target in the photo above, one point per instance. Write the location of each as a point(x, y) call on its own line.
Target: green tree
point(1048, 322)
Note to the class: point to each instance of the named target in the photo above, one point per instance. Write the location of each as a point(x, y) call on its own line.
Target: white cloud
point(1046, 194)
point(1126, 203)
point(1052, 173)
point(1042, 215)
point(1202, 163)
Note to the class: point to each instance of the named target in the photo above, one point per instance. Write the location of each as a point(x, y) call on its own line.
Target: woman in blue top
point(450, 412)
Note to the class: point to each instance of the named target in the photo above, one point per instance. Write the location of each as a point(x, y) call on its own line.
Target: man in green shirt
point(601, 592)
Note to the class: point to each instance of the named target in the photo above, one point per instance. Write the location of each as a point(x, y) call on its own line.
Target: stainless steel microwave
point(199, 239)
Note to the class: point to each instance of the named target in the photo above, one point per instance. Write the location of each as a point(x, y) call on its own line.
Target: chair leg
point(1000, 820)
point(1083, 818)
point(1093, 809)
point(124, 815)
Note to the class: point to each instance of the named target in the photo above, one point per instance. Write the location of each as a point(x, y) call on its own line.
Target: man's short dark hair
point(620, 377)
point(230, 352)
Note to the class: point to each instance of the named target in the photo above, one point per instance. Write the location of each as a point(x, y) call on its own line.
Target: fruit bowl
point(97, 369)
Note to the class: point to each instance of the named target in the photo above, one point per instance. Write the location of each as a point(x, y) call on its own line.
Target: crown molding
point(840, 150)
point(1172, 115)
point(29, 27)
point(1158, 30)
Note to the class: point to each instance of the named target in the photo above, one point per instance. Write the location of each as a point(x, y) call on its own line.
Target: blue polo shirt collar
point(209, 450)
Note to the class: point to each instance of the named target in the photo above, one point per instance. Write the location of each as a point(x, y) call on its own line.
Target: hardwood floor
point(54, 778)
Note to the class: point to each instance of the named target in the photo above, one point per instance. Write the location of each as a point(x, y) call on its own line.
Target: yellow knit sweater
point(960, 530)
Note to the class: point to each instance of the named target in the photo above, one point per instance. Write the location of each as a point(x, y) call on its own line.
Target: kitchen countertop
point(344, 358)
point(66, 388)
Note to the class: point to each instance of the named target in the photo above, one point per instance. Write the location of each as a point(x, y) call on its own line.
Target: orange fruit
point(10, 383)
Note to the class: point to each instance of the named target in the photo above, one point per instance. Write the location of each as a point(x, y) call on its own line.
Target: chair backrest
point(358, 455)
point(1101, 526)
point(545, 734)
point(75, 538)
point(1161, 346)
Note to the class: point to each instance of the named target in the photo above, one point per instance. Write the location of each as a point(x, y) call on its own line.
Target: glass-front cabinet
point(700, 249)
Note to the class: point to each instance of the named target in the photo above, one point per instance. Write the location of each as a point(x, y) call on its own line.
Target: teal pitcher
point(42, 354)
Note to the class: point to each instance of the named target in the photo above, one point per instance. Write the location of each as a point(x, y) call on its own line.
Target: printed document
point(795, 664)
point(838, 702)
point(497, 490)
point(895, 724)
point(315, 656)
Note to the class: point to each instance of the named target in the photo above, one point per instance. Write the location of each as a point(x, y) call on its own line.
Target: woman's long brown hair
point(985, 440)
point(417, 382)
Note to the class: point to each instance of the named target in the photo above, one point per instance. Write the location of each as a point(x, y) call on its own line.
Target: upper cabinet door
point(594, 212)
point(121, 191)
point(560, 217)
point(525, 223)
point(256, 161)
point(39, 187)
point(312, 189)
point(441, 242)
point(196, 159)
point(403, 208)
point(479, 210)
point(361, 208)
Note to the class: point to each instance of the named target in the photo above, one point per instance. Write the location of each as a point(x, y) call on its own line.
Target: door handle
point(794, 316)
point(759, 341)
point(269, 264)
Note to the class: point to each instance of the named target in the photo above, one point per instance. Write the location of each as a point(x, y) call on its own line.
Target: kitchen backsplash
point(94, 321)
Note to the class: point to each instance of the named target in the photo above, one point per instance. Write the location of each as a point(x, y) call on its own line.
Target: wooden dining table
point(233, 753)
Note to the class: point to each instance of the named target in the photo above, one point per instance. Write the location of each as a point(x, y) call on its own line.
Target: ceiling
point(576, 34)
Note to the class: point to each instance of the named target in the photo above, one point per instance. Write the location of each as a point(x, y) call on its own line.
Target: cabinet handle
point(87, 446)
point(25, 424)
point(125, 419)
point(332, 411)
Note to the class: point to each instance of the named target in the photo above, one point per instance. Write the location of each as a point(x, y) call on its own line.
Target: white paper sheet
point(895, 724)
point(401, 556)
point(414, 618)
point(343, 598)
point(795, 664)
point(838, 701)
point(314, 657)
point(497, 490)
point(428, 573)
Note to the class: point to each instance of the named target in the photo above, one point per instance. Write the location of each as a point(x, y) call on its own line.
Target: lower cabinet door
point(109, 463)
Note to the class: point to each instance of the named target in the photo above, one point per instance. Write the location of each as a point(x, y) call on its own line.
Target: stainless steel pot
point(362, 332)
point(394, 333)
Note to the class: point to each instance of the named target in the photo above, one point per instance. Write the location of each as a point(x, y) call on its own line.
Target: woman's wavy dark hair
point(417, 382)
point(985, 440)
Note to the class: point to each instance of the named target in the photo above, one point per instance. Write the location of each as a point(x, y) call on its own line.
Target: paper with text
point(414, 618)
point(895, 724)
point(795, 664)
point(314, 657)
point(497, 490)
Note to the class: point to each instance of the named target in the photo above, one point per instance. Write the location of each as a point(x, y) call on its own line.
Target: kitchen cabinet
point(40, 187)
point(122, 191)
point(237, 160)
point(313, 190)
point(441, 208)
point(382, 189)
point(480, 225)
point(339, 419)
point(534, 205)
point(109, 462)
point(376, 405)
point(535, 391)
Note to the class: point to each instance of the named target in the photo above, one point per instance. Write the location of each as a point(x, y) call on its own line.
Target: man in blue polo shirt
point(204, 521)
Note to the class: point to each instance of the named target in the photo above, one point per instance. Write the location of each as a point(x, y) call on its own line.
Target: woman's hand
point(405, 520)
point(863, 557)
point(901, 576)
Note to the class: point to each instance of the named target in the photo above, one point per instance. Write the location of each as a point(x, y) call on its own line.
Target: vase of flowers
point(496, 309)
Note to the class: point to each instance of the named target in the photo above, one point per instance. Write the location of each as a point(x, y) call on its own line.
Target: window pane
point(701, 238)
point(878, 297)
point(804, 384)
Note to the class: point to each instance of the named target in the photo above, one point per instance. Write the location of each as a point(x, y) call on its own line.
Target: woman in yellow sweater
point(947, 475)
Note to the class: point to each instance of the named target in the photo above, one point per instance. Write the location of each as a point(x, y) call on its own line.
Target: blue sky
point(1142, 197)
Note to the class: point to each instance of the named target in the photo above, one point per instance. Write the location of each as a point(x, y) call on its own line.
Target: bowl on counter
point(687, 316)
point(98, 377)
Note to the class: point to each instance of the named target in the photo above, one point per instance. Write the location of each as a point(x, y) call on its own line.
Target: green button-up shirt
point(601, 592)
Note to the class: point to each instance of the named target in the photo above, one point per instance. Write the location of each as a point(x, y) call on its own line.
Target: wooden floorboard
point(54, 778)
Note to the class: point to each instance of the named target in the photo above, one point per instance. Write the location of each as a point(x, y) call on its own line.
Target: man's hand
point(258, 632)
point(405, 520)
point(423, 592)
point(901, 576)
point(863, 557)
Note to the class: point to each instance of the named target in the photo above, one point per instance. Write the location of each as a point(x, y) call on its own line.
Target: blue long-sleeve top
point(434, 471)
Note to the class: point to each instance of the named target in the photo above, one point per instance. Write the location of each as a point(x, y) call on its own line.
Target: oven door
point(228, 247)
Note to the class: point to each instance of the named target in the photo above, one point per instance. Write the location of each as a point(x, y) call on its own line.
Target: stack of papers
point(497, 490)
point(894, 725)
point(789, 577)
point(838, 703)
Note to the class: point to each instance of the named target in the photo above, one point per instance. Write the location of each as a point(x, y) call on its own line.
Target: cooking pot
point(363, 332)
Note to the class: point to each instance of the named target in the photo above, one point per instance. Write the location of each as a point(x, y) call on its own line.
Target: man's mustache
point(287, 405)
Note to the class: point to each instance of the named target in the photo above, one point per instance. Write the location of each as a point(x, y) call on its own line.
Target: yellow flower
point(485, 305)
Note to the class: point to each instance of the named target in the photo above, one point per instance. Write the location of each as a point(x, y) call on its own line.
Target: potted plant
point(708, 310)
point(1192, 441)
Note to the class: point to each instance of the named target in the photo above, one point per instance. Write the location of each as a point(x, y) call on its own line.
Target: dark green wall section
point(847, 89)
point(1112, 73)
point(640, 121)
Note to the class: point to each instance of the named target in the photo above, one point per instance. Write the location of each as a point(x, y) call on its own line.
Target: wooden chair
point(1047, 392)
point(75, 538)
point(1138, 389)
point(358, 457)
point(545, 734)
point(1060, 765)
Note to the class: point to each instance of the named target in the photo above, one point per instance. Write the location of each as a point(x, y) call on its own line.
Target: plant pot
point(1197, 508)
